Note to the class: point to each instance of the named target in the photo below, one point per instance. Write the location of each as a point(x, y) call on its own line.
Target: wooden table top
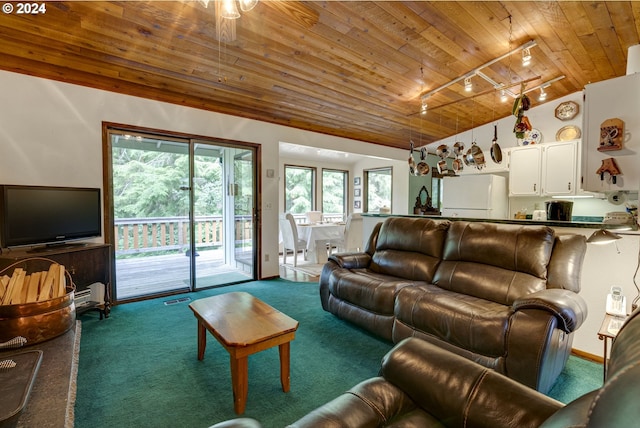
point(240, 319)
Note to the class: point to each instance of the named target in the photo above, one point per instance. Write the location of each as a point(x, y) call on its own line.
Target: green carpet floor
point(138, 368)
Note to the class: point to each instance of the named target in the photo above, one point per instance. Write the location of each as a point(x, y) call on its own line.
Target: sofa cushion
point(373, 291)
point(409, 248)
point(468, 322)
point(565, 267)
point(497, 262)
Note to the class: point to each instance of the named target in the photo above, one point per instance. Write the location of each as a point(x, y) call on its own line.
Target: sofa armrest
point(462, 392)
point(568, 307)
point(371, 403)
point(351, 260)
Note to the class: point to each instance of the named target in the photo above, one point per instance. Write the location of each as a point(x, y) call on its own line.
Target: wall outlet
point(266, 257)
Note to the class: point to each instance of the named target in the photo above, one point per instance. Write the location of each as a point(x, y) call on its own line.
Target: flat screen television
point(45, 215)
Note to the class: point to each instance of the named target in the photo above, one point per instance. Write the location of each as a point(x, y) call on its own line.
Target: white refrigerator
point(475, 196)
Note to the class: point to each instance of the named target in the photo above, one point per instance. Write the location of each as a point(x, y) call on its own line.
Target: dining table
point(318, 236)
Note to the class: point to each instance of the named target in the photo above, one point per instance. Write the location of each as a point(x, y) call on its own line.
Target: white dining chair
point(314, 216)
point(352, 238)
point(290, 240)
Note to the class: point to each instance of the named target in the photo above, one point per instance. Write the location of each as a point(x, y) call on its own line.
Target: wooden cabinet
point(86, 264)
point(543, 170)
point(612, 99)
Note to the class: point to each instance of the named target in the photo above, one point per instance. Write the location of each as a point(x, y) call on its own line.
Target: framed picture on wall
point(356, 205)
point(356, 192)
point(356, 181)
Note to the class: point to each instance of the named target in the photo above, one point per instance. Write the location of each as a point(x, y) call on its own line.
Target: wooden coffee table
point(244, 325)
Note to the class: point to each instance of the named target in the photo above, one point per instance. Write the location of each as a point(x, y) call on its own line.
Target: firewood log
point(60, 282)
point(15, 287)
point(34, 287)
point(4, 283)
point(24, 289)
point(47, 286)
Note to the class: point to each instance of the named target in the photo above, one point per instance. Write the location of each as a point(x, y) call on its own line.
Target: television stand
point(55, 247)
point(86, 263)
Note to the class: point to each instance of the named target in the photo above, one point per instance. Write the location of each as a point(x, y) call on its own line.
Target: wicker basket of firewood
point(38, 305)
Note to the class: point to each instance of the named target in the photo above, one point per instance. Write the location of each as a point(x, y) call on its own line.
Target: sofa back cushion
point(497, 262)
point(409, 248)
point(565, 268)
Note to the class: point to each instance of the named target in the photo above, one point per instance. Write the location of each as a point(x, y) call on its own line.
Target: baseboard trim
point(587, 356)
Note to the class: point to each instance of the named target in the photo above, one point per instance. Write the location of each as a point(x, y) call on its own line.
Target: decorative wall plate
point(532, 137)
point(568, 133)
point(567, 110)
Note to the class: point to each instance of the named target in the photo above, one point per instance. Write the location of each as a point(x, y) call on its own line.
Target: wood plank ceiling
point(354, 69)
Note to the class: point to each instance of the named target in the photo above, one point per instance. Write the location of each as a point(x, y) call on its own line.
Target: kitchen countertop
point(550, 223)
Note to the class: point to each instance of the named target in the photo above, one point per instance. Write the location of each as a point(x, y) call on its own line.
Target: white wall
point(604, 267)
point(51, 134)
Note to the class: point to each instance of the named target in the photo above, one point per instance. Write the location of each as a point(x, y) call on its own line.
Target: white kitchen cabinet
point(524, 171)
point(559, 169)
point(614, 98)
point(543, 169)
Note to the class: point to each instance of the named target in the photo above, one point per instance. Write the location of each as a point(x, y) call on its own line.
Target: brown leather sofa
point(422, 385)
point(503, 295)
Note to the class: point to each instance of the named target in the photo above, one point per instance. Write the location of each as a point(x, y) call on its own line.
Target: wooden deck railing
point(138, 235)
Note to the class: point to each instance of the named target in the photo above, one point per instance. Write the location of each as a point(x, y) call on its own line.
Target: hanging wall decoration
point(611, 135)
point(610, 167)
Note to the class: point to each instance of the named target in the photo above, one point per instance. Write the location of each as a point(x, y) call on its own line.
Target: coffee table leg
point(202, 339)
point(240, 381)
point(285, 379)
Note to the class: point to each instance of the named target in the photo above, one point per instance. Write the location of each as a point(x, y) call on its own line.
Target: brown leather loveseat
point(502, 295)
point(420, 385)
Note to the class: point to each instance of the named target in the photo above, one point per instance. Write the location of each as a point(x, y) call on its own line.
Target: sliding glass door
point(182, 214)
point(223, 215)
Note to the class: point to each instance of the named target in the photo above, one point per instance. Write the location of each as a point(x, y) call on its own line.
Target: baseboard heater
point(90, 297)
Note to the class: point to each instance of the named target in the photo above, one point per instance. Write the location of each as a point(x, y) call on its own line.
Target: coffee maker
point(559, 210)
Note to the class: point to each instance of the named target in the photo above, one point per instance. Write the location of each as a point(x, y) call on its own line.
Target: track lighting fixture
point(478, 72)
point(229, 9)
point(247, 5)
point(543, 95)
point(468, 86)
point(423, 108)
point(505, 90)
point(526, 57)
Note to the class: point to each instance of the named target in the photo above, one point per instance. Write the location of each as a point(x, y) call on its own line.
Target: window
point(377, 188)
point(334, 193)
point(299, 182)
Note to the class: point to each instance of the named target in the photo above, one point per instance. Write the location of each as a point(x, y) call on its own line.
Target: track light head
point(526, 57)
point(543, 95)
point(468, 86)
